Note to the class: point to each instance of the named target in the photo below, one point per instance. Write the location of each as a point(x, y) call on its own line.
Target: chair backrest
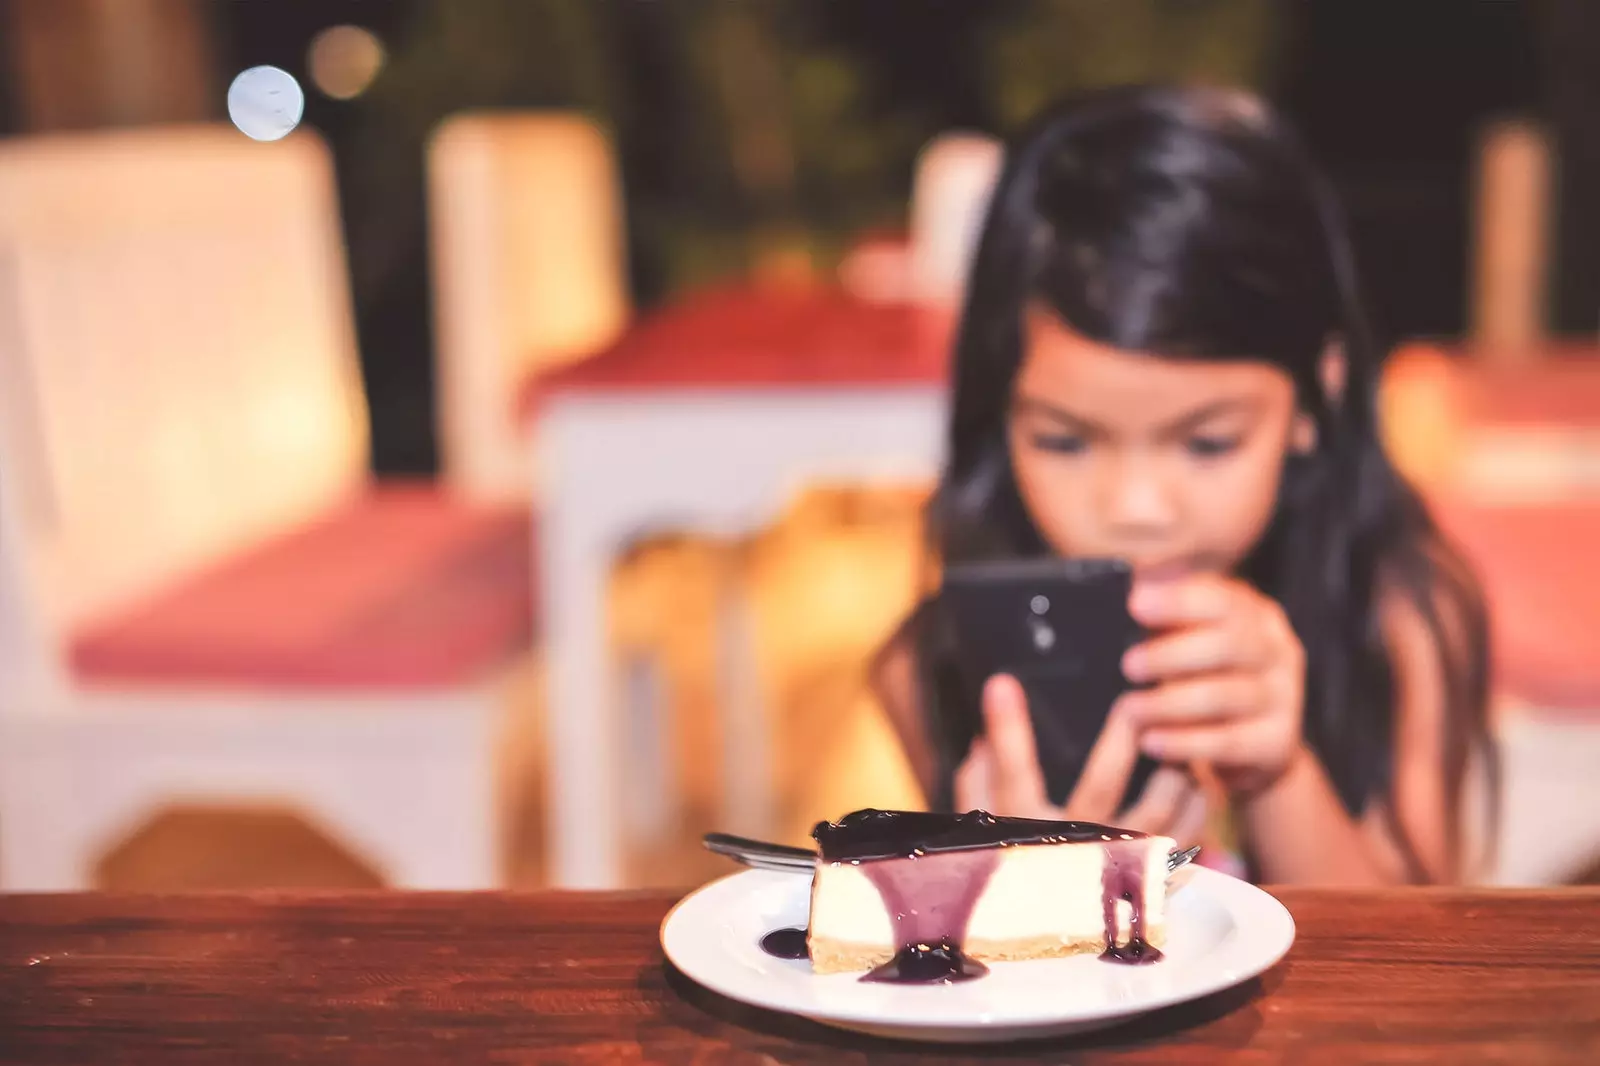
point(955, 177)
point(178, 371)
point(529, 273)
point(30, 663)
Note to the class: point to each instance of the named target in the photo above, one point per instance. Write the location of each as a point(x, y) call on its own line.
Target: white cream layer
point(1036, 890)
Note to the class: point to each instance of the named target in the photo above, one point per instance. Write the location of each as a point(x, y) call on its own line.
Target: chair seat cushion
point(1539, 570)
point(405, 587)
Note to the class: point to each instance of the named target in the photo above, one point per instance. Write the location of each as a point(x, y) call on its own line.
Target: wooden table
point(1396, 976)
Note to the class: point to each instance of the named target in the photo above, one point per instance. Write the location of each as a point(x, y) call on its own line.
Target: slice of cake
point(918, 897)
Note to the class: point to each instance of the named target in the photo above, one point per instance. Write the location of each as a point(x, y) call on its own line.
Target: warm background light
point(344, 60)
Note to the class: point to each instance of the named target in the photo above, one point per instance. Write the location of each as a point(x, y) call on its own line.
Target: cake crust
point(830, 956)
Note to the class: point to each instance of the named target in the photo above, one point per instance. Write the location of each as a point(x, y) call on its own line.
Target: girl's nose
point(1139, 497)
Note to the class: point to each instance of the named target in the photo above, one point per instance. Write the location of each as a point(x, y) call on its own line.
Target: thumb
point(974, 783)
point(1017, 782)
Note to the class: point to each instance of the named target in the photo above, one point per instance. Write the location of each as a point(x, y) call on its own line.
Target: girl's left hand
point(1228, 674)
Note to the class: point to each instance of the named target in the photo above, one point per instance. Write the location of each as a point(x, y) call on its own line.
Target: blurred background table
point(708, 416)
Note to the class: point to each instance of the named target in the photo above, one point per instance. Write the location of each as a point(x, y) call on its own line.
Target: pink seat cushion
point(739, 337)
point(1540, 573)
point(404, 587)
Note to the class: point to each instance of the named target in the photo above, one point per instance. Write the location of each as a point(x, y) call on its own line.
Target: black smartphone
point(1060, 627)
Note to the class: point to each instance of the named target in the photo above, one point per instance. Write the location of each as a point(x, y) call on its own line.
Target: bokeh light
point(265, 103)
point(344, 60)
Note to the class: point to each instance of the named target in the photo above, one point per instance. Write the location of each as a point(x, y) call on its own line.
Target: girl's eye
point(1211, 447)
point(1060, 443)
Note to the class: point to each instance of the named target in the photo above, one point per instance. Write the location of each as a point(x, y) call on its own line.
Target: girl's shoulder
point(896, 676)
point(921, 636)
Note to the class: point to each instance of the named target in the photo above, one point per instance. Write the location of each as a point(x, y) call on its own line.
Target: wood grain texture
point(1393, 976)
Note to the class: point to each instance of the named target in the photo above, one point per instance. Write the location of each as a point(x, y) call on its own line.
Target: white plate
point(1220, 931)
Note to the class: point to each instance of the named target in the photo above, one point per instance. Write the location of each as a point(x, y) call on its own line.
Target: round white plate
point(1220, 931)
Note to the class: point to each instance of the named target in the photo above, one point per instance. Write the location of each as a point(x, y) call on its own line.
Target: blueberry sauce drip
point(930, 901)
point(928, 964)
point(1123, 879)
point(786, 944)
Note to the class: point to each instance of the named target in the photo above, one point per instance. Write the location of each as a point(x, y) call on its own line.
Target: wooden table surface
point(1392, 976)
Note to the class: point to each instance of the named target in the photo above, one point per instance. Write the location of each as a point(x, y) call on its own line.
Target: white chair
point(529, 273)
point(224, 609)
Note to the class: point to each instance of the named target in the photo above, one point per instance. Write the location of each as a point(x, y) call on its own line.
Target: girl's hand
point(1001, 775)
point(1230, 679)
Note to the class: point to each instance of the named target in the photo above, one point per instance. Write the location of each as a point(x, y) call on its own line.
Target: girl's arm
point(1298, 827)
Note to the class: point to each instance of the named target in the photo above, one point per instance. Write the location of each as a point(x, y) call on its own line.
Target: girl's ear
point(1303, 435)
point(1332, 368)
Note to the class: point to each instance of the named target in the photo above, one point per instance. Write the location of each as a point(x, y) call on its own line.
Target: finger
point(1158, 804)
point(974, 779)
point(1017, 783)
point(1100, 787)
point(1230, 745)
point(1192, 650)
point(1198, 699)
point(1187, 601)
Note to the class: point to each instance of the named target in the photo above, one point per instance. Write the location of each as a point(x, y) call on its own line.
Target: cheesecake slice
point(916, 897)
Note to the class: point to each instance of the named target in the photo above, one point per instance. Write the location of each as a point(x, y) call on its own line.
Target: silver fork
point(764, 855)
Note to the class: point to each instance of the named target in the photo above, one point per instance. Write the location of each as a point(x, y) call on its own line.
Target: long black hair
point(1191, 223)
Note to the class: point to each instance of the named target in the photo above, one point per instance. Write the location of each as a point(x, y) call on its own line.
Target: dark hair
point(1191, 223)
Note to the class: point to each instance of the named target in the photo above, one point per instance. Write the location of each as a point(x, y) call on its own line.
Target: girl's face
point(1170, 464)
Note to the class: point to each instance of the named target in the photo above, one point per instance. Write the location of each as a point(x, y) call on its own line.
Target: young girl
point(1163, 358)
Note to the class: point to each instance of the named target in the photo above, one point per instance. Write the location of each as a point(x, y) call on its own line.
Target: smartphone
point(1060, 627)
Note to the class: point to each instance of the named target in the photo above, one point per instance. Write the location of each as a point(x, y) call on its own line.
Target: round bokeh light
point(265, 103)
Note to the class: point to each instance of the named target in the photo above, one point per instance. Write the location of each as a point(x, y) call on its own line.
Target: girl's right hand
point(1001, 774)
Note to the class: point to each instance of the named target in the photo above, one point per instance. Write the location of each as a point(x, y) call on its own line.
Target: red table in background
point(1508, 451)
point(1540, 568)
point(752, 338)
point(708, 415)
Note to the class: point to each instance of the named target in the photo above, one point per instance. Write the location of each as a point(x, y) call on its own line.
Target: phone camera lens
point(1040, 604)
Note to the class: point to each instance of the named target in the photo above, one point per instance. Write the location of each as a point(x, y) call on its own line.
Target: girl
point(1163, 358)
